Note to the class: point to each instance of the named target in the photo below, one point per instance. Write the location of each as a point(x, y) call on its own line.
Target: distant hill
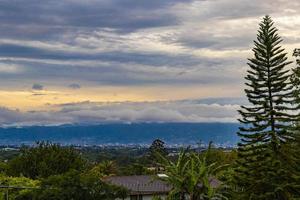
point(114, 134)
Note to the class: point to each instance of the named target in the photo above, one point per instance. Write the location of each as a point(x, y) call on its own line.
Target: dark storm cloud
point(155, 59)
point(17, 18)
point(143, 58)
point(110, 75)
point(74, 86)
point(113, 68)
point(37, 86)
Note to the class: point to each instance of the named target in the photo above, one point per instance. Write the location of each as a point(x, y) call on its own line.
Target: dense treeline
point(265, 165)
point(51, 171)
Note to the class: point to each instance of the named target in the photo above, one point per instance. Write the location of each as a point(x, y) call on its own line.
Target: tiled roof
point(148, 184)
point(140, 184)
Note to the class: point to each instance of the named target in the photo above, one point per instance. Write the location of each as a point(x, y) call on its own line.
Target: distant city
point(125, 135)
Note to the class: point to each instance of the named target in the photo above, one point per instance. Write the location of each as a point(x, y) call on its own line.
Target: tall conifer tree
point(294, 148)
point(263, 170)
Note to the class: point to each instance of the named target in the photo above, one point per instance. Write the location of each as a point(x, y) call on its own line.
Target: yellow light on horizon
point(50, 98)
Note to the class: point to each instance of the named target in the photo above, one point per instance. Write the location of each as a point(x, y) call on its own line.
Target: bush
point(44, 160)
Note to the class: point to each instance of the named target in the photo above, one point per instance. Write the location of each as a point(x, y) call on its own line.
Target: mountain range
point(222, 134)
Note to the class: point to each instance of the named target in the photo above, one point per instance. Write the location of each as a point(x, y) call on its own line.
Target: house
point(141, 187)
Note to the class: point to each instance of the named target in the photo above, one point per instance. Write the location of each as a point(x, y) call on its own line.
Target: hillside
point(116, 134)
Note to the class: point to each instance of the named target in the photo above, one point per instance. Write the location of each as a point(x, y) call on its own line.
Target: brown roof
point(140, 184)
point(145, 184)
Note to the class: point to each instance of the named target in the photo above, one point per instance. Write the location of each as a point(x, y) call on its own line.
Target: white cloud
point(157, 44)
point(123, 112)
point(8, 68)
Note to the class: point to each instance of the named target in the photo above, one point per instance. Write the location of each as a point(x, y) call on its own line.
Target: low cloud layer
point(123, 112)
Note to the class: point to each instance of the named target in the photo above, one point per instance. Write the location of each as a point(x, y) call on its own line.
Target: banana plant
point(191, 176)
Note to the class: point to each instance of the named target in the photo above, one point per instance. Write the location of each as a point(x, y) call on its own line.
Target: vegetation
point(157, 146)
point(44, 160)
point(265, 166)
point(264, 170)
point(86, 180)
point(77, 186)
point(105, 168)
point(191, 176)
point(26, 186)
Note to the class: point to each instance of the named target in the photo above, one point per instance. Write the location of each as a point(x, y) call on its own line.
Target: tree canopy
point(44, 160)
point(264, 171)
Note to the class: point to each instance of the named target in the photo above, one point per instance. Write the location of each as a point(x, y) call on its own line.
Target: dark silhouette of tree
point(157, 146)
point(264, 171)
point(295, 77)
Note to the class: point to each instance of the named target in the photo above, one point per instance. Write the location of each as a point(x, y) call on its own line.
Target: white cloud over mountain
point(123, 112)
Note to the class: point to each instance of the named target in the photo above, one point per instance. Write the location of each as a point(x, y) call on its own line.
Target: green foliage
point(8, 154)
point(77, 186)
point(44, 160)
point(263, 168)
point(3, 167)
point(191, 175)
point(17, 194)
point(135, 169)
point(293, 148)
point(157, 146)
point(295, 77)
point(105, 168)
point(221, 157)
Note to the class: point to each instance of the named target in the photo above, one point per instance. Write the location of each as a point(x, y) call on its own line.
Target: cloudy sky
point(72, 61)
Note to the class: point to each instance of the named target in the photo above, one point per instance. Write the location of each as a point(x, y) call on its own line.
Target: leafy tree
point(264, 171)
point(191, 176)
point(135, 169)
point(157, 146)
point(221, 157)
point(18, 182)
point(77, 186)
point(3, 167)
point(105, 168)
point(44, 160)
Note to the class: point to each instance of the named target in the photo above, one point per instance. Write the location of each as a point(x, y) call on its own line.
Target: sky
point(95, 61)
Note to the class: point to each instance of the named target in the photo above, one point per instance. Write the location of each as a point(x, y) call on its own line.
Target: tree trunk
point(182, 196)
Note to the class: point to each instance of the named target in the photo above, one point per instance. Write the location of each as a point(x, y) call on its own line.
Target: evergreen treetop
point(267, 120)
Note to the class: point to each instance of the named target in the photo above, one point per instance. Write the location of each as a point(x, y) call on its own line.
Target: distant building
point(141, 187)
point(9, 149)
point(146, 187)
